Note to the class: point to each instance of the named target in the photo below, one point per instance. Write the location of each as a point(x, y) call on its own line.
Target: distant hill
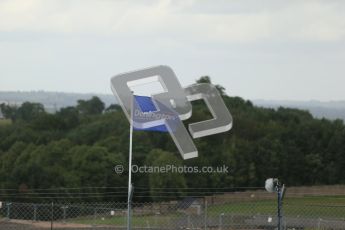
point(52, 101)
point(331, 109)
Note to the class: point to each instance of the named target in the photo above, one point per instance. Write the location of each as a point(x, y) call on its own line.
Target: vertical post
point(129, 200)
point(279, 207)
point(221, 221)
point(52, 216)
point(156, 219)
point(94, 216)
point(64, 209)
point(8, 210)
point(205, 214)
point(35, 212)
point(319, 223)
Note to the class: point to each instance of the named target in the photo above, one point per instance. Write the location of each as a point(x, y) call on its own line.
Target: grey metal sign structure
point(175, 101)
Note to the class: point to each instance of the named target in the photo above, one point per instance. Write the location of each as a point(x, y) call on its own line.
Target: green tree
point(172, 182)
point(9, 112)
point(69, 117)
point(93, 106)
point(207, 79)
point(93, 166)
point(28, 111)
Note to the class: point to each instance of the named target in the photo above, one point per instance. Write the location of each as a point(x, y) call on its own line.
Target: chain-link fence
point(242, 210)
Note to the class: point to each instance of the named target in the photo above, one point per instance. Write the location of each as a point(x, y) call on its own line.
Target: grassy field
point(5, 122)
point(327, 207)
point(142, 221)
point(320, 206)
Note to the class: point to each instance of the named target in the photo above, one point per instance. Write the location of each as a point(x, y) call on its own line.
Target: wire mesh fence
point(243, 210)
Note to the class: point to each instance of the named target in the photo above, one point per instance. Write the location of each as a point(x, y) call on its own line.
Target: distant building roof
point(186, 202)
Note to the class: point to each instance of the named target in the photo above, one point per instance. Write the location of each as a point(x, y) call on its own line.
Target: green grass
point(139, 221)
point(332, 207)
point(5, 122)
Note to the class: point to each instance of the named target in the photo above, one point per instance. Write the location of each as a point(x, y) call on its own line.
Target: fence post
point(35, 212)
point(156, 219)
point(94, 216)
point(279, 193)
point(8, 210)
point(64, 209)
point(221, 221)
point(52, 216)
point(319, 223)
point(205, 213)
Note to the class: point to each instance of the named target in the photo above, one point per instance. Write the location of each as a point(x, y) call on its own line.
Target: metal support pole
point(52, 216)
point(279, 192)
point(8, 210)
point(35, 212)
point(64, 209)
point(130, 187)
point(94, 216)
point(205, 214)
point(220, 227)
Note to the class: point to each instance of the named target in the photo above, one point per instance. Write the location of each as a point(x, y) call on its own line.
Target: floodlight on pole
point(274, 185)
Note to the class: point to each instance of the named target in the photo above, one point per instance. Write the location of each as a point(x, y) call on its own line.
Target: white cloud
point(310, 21)
point(295, 20)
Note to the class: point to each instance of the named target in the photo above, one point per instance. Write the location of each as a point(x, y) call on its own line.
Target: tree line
point(78, 147)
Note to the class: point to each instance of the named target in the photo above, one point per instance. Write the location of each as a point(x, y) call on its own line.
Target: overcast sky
point(291, 50)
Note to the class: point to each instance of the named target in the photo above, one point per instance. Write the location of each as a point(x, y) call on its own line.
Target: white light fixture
point(271, 184)
point(274, 185)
